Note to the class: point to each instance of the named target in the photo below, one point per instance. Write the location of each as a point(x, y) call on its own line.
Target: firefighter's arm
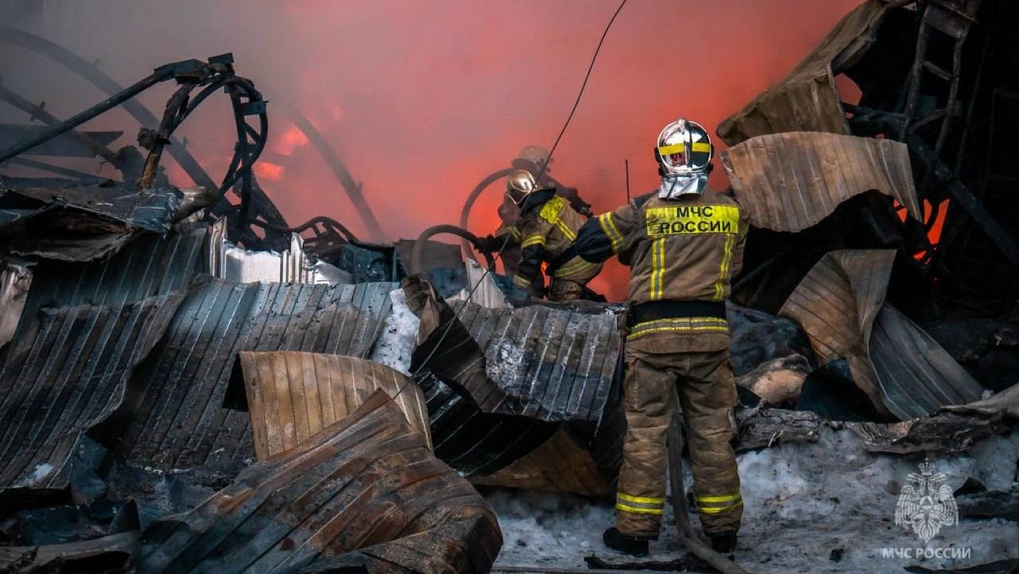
point(603, 236)
point(532, 252)
point(503, 238)
point(741, 240)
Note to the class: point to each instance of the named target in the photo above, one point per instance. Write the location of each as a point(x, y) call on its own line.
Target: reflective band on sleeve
point(610, 229)
point(521, 282)
point(533, 240)
point(573, 268)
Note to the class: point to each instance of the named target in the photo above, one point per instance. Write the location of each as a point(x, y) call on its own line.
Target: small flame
point(291, 139)
point(268, 171)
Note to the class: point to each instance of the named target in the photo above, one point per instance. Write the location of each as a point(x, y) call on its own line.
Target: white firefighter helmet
point(519, 184)
point(684, 148)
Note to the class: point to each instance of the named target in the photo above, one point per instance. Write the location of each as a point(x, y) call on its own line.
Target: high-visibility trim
point(611, 231)
point(552, 209)
point(521, 282)
point(723, 272)
point(635, 510)
point(719, 510)
point(568, 233)
point(726, 498)
point(657, 268)
point(536, 239)
point(691, 220)
point(698, 147)
point(695, 324)
point(513, 231)
point(640, 499)
point(573, 268)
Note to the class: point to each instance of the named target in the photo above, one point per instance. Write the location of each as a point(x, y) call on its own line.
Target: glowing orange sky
point(422, 99)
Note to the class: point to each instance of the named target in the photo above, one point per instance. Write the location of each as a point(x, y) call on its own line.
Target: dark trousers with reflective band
point(707, 393)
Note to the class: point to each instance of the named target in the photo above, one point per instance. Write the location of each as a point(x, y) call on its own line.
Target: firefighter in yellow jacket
point(683, 244)
point(546, 228)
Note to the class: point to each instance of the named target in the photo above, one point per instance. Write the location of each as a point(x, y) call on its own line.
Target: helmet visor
point(680, 155)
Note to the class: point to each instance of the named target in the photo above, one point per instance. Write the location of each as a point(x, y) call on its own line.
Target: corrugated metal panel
point(836, 303)
point(917, 375)
point(150, 209)
point(806, 100)
point(903, 371)
point(152, 265)
point(70, 376)
point(293, 395)
point(550, 363)
point(363, 492)
point(791, 181)
point(180, 420)
point(473, 442)
point(1006, 402)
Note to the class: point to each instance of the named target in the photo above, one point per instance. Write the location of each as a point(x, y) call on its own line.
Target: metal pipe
point(38, 112)
point(83, 116)
point(105, 83)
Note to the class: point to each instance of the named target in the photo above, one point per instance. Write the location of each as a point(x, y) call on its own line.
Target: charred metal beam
point(38, 112)
point(965, 198)
point(161, 74)
point(105, 83)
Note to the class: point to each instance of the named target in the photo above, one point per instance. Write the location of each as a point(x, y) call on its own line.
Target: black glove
point(489, 243)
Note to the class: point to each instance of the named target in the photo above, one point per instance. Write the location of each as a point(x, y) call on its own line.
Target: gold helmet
point(519, 184)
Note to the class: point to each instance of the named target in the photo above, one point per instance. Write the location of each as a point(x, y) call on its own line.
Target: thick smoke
point(422, 100)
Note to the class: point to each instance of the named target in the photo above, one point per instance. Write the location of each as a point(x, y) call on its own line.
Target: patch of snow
point(827, 506)
point(395, 345)
point(41, 473)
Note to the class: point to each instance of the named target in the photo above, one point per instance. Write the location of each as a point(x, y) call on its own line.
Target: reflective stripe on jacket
point(684, 249)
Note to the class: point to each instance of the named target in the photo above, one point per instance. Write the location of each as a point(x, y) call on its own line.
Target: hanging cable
point(548, 160)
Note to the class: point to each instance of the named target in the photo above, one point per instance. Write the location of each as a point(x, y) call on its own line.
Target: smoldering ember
point(252, 361)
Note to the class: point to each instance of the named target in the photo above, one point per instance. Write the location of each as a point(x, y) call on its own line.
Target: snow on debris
point(828, 506)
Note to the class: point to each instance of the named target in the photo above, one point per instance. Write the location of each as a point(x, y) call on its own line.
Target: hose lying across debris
point(686, 532)
point(419, 245)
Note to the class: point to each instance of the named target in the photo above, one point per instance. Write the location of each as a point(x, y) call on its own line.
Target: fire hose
point(686, 532)
point(419, 245)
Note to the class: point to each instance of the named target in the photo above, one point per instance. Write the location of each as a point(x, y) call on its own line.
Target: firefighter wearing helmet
point(683, 243)
point(546, 228)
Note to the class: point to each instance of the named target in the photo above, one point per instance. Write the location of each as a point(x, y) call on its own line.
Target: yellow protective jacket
point(682, 255)
point(547, 228)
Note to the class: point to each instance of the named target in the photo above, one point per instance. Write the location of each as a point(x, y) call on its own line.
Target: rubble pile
point(190, 384)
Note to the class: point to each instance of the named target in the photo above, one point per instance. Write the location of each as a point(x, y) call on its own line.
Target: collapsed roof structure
point(190, 383)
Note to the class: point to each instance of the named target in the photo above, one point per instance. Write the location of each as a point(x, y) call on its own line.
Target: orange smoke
point(422, 100)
